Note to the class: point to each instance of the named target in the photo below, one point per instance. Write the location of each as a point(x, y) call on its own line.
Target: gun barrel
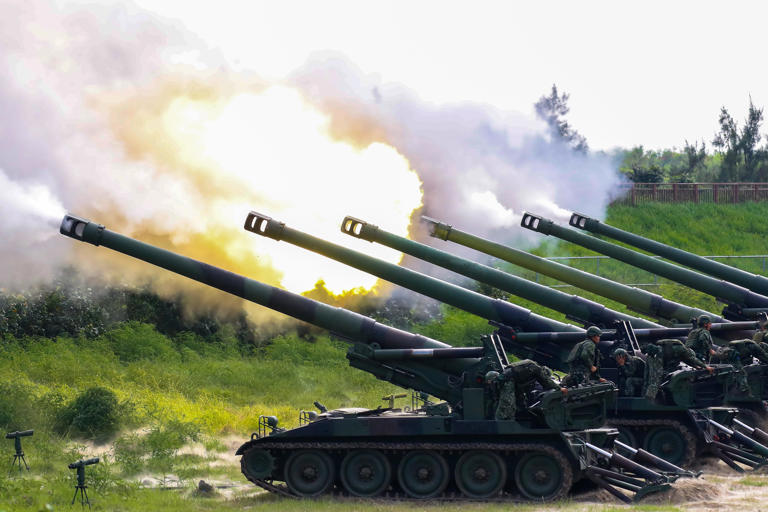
point(753, 282)
point(727, 292)
point(638, 300)
point(573, 306)
point(345, 323)
point(492, 309)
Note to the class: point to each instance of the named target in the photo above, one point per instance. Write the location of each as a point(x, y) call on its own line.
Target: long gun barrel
point(722, 290)
point(577, 308)
point(347, 324)
point(753, 282)
point(494, 310)
point(638, 300)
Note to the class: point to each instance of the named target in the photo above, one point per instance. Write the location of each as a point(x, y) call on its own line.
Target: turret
point(577, 308)
point(635, 299)
point(753, 282)
point(494, 310)
point(736, 296)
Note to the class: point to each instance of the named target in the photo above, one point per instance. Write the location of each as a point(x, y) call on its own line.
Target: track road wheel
point(671, 444)
point(480, 474)
point(365, 473)
point(257, 463)
point(543, 475)
point(309, 473)
point(423, 474)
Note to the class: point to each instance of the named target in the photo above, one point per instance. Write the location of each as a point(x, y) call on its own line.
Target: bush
point(94, 414)
point(134, 341)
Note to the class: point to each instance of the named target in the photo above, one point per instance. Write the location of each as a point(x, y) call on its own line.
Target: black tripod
point(81, 487)
point(19, 457)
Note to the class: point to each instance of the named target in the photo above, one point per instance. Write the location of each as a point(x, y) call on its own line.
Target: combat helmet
point(620, 352)
point(594, 331)
point(491, 376)
point(703, 320)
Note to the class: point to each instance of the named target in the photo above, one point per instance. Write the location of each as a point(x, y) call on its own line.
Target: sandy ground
point(719, 487)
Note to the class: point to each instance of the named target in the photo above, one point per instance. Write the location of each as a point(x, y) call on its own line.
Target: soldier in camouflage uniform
point(631, 373)
point(664, 357)
point(510, 386)
point(740, 353)
point(700, 341)
point(584, 360)
point(761, 335)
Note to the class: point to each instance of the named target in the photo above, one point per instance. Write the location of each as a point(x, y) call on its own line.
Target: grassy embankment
point(182, 390)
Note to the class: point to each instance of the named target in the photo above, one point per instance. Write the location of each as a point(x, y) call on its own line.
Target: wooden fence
point(636, 193)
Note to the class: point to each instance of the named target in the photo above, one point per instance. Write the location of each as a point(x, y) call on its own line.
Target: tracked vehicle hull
point(447, 458)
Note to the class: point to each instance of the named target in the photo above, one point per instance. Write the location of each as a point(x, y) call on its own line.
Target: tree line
point(738, 152)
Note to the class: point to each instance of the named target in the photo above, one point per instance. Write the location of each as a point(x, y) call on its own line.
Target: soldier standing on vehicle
point(664, 357)
point(700, 340)
point(584, 359)
point(510, 386)
point(631, 373)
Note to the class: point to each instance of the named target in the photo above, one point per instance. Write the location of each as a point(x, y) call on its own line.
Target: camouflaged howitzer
point(437, 450)
point(676, 424)
point(753, 282)
point(737, 297)
point(703, 391)
point(635, 299)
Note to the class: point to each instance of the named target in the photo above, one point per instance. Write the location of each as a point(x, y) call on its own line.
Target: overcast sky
point(650, 73)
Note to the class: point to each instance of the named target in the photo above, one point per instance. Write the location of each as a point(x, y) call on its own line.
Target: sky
point(646, 73)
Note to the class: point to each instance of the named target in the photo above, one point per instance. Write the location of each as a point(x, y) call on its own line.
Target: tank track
point(688, 435)
point(443, 448)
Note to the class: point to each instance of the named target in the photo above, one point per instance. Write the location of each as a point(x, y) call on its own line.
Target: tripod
point(83, 495)
point(18, 459)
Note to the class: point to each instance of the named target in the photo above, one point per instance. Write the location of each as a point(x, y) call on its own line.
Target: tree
point(696, 156)
point(552, 110)
point(742, 159)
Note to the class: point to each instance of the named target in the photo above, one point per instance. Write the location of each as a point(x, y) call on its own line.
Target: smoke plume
point(135, 123)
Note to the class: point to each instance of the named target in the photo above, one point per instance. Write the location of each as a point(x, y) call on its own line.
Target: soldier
point(585, 360)
point(631, 373)
point(699, 339)
point(664, 357)
point(510, 386)
point(761, 334)
point(740, 353)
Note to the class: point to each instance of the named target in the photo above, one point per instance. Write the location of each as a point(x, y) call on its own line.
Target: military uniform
point(740, 353)
point(631, 376)
point(512, 384)
point(761, 338)
point(700, 341)
point(664, 356)
point(581, 359)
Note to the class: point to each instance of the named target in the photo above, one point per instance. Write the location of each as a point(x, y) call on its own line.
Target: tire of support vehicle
point(540, 475)
point(309, 473)
point(365, 473)
point(480, 474)
point(423, 474)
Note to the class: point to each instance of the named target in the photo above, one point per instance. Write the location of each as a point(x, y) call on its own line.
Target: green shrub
point(133, 341)
point(94, 414)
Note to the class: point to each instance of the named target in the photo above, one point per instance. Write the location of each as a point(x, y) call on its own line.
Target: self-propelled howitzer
point(454, 447)
point(688, 396)
point(737, 297)
point(635, 299)
point(577, 308)
point(753, 282)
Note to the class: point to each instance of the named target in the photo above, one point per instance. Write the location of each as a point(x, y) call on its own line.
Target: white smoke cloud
point(64, 145)
point(480, 167)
